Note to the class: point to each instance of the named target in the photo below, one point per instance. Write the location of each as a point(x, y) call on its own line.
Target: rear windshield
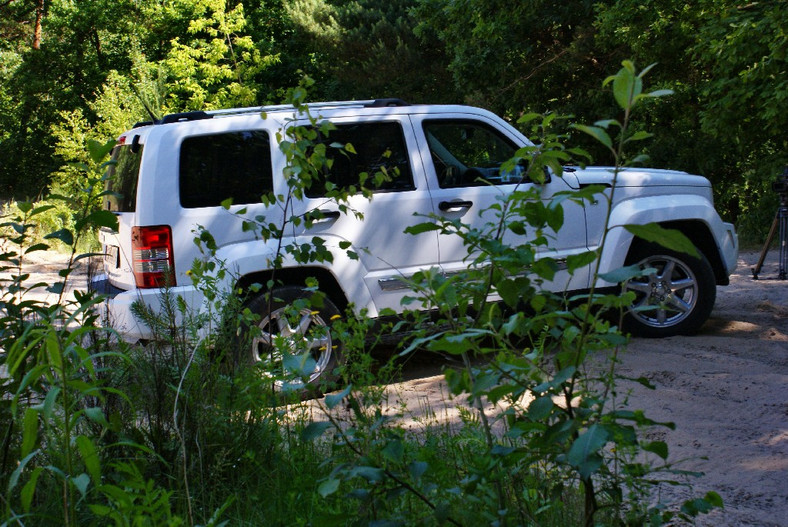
point(233, 165)
point(122, 179)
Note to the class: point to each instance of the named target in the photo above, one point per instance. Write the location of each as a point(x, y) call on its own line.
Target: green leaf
point(607, 123)
point(659, 448)
point(14, 478)
point(669, 238)
point(81, 483)
point(714, 499)
point(540, 407)
point(29, 490)
point(583, 453)
point(328, 487)
point(334, 399)
point(626, 86)
point(622, 274)
point(99, 151)
point(314, 430)
point(640, 136)
point(660, 93)
point(454, 344)
point(576, 261)
point(597, 133)
point(422, 227)
point(30, 432)
point(96, 415)
point(100, 218)
point(393, 451)
point(371, 474)
point(90, 457)
point(37, 247)
point(41, 209)
point(417, 469)
point(55, 288)
point(64, 235)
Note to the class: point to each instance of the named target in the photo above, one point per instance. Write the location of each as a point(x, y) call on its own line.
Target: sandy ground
point(726, 389)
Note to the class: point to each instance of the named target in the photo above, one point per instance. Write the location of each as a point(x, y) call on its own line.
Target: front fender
point(664, 209)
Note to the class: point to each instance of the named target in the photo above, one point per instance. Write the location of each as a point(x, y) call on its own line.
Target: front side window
point(469, 153)
point(233, 165)
point(379, 149)
point(122, 178)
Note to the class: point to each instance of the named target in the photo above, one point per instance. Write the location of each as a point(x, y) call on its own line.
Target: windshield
point(122, 179)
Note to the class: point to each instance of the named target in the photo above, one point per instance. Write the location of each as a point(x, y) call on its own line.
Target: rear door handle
point(446, 206)
point(322, 215)
point(330, 214)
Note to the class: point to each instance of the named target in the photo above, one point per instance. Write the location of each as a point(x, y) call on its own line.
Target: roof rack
point(185, 116)
point(208, 114)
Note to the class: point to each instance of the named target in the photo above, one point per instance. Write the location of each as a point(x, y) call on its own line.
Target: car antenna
point(145, 104)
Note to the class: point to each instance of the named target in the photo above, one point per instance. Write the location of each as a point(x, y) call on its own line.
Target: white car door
point(386, 252)
point(462, 158)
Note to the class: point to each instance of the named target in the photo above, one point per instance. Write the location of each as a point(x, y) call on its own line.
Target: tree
point(213, 67)
point(368, 49)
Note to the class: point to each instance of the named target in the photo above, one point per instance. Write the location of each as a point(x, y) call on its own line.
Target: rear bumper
point(118, 309)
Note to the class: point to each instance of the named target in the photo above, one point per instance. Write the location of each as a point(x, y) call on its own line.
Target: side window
point(469, 153)
point(233, 165)
point(122, 179)
point(379, 147)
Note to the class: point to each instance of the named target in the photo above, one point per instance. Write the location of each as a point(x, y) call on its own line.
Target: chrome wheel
point(666, 297)
point(292, 343)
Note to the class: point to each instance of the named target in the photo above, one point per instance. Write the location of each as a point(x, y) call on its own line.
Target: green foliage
point(368, 49)
point(214, 65)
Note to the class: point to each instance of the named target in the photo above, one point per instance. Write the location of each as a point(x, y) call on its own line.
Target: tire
point(675, 300)
point(296, 330)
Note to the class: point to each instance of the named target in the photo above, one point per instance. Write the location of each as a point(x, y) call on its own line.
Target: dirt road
point(726, 389)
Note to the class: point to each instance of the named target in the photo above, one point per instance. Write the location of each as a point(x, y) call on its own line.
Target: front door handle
point(446, 206)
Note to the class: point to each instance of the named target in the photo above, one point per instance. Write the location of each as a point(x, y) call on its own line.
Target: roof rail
point(386, 102)
point(184, 116)
point(208, 114)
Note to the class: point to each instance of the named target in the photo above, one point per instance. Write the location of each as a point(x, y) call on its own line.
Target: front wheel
point(676, 299)
point(292, 342)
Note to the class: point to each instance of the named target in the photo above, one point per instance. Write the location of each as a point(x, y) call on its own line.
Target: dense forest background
point(77, 69)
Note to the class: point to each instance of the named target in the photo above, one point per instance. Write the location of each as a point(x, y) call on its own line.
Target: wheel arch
point(701, 237)
point(297, 276)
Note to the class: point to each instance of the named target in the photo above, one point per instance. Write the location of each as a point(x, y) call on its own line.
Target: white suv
point(172, 176)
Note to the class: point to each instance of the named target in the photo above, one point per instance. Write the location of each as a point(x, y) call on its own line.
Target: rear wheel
point(292, 342)
point(676, 299)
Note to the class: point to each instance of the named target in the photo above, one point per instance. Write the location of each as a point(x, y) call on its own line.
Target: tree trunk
point(37, 29)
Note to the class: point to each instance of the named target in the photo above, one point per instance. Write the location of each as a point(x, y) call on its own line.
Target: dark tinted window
point(469, 153)
point(378, 147)
point(233, 165)
point(122, 179)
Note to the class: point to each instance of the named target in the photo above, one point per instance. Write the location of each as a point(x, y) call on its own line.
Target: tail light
point(152, 258)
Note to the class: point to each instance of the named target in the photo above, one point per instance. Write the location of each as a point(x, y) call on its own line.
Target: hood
point(638, 177)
